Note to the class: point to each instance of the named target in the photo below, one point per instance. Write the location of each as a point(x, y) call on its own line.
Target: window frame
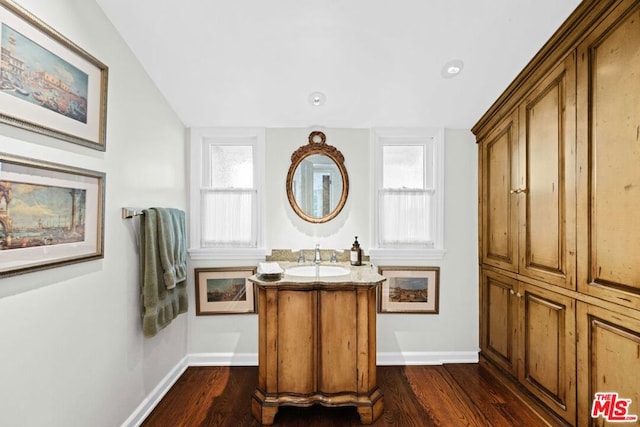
point(198, 138)
point(381, 137)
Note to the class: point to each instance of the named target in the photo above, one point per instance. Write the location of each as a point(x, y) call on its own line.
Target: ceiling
point(378, 62)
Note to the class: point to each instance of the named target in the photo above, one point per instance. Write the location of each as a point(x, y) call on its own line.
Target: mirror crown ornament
point(316, 146)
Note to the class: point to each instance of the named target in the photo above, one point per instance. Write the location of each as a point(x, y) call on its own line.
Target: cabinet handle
point(511, 290)
point(519, 295)
point(518, 191)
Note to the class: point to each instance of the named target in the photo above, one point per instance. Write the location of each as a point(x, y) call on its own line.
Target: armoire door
point(499, 177)
point(548, 342)
point(499, 320)
point(547, 168)
point(608, 360)
point(608, 104)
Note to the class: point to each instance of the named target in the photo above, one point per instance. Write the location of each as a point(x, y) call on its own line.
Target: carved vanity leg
point(368, 414)
point(264, 414)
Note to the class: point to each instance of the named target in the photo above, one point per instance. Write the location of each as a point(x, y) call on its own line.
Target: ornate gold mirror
point(317, 182)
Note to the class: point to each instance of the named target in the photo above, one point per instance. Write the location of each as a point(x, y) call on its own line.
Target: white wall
point(402, 338)
point(454, 331)
point(72, 349)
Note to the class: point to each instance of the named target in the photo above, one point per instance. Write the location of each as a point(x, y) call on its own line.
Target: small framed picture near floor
point(409, 290)
point(224, 290)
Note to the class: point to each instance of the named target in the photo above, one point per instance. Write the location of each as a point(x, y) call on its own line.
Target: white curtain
point(405, 216)
point(228, 218)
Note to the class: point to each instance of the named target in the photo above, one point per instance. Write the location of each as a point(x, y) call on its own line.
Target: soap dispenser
point(356, 253)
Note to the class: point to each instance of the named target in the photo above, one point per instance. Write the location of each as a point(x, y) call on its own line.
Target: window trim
point(404, 136)
point(197, 138)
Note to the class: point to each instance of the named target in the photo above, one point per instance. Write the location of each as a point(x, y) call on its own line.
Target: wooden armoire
point(559, 216)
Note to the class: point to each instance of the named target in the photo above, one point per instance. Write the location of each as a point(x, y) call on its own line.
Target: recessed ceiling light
point(452, 68)
point(317, 99)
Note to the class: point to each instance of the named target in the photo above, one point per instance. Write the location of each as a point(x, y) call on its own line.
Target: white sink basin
point(318, 271)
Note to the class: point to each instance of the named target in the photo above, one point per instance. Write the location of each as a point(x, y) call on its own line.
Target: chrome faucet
point(317, 258)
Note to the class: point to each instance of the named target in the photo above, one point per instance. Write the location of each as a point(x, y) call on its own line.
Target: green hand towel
point(172, 245)
point(162, 243)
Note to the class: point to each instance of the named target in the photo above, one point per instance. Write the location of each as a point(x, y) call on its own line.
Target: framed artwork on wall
point(50, 215)
point(409, 290)
point(48, 84)
point(224, 290)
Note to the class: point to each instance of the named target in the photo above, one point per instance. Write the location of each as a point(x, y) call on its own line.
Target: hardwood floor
point(449, 395)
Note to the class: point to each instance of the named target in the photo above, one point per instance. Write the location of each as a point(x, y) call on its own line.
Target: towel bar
point(131, 212)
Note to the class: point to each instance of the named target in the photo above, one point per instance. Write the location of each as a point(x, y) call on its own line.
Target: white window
point(226, 194)
point(408, 193)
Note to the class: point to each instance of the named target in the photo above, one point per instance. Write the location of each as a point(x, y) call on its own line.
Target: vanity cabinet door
point(499, 320)
point(609, 158)
point(296, 341)
point(347, 342)
point(337, 332)
point(287, 341)
point(548, 342)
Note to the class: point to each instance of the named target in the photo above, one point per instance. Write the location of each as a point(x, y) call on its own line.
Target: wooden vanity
point(317, 343)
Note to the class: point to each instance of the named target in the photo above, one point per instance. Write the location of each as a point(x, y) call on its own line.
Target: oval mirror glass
point(317, 182)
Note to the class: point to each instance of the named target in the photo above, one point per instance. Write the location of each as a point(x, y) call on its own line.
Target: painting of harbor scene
point(50, 215)
point(49, 84)
point(224, 290)
point(40, 215)
point(409, 290)
point(33, 74)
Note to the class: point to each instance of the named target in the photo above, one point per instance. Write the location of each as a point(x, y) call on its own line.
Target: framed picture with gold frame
point(50, 85)
point(50, 215)
point(409, 290)
point(224, 290)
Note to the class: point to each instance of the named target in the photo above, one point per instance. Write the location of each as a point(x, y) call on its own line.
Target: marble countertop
point(364, 274)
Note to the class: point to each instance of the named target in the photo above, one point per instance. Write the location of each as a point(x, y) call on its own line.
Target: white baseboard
point(251, 359)
point(382, 359)
point(426, 358)
point(144, 409)
point(223, 359)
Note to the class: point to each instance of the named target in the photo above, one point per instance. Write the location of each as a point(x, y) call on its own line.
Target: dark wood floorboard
point(414, 396)
point(491, 397)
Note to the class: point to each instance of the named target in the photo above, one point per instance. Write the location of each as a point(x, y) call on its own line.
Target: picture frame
point(48, 84)
point(409, 290)
point(50, 215)
point(224, 290)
